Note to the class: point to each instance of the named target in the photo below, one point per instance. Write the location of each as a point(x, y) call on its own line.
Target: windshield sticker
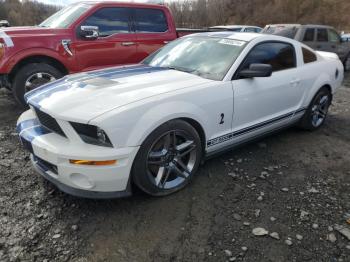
point(231, 42)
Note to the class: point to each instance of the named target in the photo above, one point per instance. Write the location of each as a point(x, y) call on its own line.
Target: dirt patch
point(295, 185)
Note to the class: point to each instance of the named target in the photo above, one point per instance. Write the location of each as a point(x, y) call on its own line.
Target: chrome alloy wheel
point(171, 159)
point(38, 79)
point(319, 110)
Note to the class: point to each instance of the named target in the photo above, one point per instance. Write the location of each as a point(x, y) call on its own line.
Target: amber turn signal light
point(93, 162)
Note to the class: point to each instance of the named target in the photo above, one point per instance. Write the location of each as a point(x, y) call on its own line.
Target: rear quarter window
point(308, 56)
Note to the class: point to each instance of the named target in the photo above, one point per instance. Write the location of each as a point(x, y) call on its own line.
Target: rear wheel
point(32, 76)
point(167, 159)
point(317, 111)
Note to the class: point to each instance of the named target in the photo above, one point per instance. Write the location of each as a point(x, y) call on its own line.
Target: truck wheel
point(32, 76)
point(167, 159)
point(316, 113)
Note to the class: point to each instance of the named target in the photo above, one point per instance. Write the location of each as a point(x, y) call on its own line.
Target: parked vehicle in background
point(318, 37)
point(82, 37)
point(4, 23)
point(345, 37)
point(93, 134)
point(236, 28)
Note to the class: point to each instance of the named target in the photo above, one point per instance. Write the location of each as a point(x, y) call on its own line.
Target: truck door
point(322, 41)
point(309, 37)
point(115, 45)
point(151, 29)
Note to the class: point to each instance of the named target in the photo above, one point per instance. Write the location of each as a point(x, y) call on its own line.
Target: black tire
point(346, 63)
point(144, 174)
point(28, 71)
point(308, 122)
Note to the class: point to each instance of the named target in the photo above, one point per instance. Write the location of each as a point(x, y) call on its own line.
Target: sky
point(65, 2)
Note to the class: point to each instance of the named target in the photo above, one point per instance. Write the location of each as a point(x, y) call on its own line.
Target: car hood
point(84, 96)
point(14, 35)
point(28, 30)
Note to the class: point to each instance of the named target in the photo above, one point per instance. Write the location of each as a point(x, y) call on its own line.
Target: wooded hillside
point(198, 13)
point(203, 13)
point(25, 12)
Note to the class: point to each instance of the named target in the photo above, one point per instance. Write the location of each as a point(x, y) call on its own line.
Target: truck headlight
point(92, 134)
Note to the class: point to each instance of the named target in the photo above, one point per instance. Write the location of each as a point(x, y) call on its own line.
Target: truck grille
point(49, 122)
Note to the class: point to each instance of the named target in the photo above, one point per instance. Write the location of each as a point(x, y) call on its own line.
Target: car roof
point(233, 26)
point(276, 25)
point(298, 25)
point(129, 3)
point(231, 35)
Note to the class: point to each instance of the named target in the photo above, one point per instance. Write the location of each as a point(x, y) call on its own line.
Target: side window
point(333, 36)
point(280, 56)
point(322, 35)
point(110, 20)
point(309, 35)
point(250, 29)
point(308, 56)
point(150, 20)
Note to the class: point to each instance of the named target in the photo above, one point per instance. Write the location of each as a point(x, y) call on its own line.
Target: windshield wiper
point(182, 69)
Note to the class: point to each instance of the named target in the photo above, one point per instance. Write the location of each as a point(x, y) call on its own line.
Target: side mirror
point(89, 32)
point(256, 70)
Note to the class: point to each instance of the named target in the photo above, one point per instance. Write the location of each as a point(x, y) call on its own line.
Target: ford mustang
point(95, 134)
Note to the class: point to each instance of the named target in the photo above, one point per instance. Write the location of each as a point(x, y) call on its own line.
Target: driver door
point(116, 44)
point(264, 103)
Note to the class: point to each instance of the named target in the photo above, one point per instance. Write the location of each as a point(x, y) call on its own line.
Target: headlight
point(92, 134)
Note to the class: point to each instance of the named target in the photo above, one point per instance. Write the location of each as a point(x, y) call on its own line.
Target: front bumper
point(51, 153)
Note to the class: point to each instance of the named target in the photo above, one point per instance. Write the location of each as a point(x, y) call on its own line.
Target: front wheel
point(317, 111)
point(32, 76)
point(168, 159)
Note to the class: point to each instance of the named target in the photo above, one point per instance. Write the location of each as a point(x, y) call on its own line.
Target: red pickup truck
point(82, 37)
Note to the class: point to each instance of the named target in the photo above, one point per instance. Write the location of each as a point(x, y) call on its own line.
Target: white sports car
point(93, 134)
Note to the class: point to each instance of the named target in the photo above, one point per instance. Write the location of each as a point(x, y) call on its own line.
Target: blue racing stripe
point(77, 81)
point(26, 124)
point(30, 133)
point(40, 89)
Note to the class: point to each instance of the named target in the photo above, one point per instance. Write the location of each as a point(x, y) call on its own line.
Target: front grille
point(49, 122)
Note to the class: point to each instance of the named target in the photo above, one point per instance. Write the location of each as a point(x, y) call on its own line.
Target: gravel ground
point(285, 198)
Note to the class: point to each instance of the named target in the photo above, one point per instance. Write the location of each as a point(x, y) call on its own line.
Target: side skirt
point(237, 145)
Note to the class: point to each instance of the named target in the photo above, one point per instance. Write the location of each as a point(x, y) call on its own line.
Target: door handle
point(165, 42)
point(128, 43)
point(295, 82)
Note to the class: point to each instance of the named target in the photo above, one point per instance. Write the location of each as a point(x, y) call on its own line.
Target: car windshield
point(66, 16)
point(208, 57)
point(286, 31)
